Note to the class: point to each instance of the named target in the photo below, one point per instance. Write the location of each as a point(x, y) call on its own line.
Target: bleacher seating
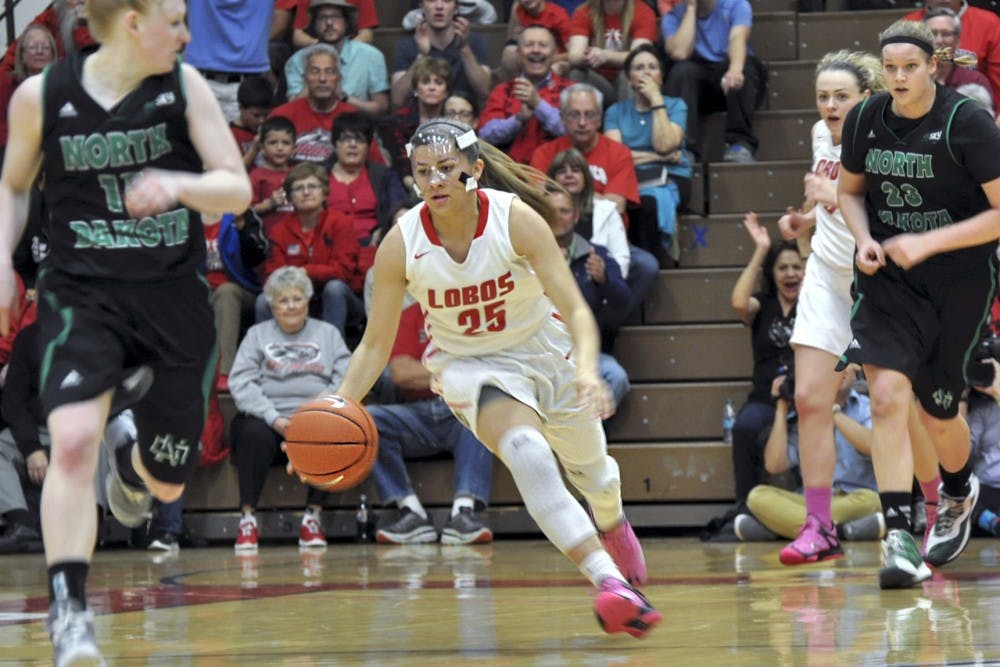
point(687, 353)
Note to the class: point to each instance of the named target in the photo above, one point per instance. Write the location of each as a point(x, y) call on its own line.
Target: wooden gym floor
point(510, 603)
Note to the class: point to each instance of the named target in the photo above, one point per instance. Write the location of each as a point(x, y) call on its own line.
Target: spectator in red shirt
point(370, 194)
point(947, 27)
point(321, 241)
point(268, 179)
point(604, 32)
point(610, 161)
point(980, 34)
point(34, 50)
point(527, 13)
point(68, 26)
point(313, 114)
point(255, 98)
point(523, 113)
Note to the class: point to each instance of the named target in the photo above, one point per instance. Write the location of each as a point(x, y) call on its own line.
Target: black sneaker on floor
point(408, 528)
point(163, 542)
point(20, 539)
point(466, 528)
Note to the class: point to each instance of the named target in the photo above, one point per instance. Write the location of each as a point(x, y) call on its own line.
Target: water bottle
point(365, 525)
point(728, 420)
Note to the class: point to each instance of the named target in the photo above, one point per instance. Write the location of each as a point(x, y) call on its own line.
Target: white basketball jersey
point(489, 302)
point(833, 241)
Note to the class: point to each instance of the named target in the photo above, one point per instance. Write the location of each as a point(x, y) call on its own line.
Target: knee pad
point(600, 484)
point(533, 466)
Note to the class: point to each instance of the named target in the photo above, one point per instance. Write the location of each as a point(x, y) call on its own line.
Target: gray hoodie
point(275, 372)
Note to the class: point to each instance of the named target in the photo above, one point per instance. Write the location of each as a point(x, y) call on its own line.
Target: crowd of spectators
point(606, 96)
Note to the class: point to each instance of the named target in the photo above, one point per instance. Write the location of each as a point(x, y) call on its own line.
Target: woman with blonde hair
point(514, 349)
point(822, 326)
point(919, 190)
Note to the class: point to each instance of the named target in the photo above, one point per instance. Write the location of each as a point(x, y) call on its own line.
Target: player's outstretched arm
point(532, 238)
point(21, 163)
point(372, 353)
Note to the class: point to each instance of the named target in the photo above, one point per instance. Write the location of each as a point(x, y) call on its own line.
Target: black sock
point(17, 517)
point(956, 484)
point(123, 457)
point(896, 509)
point(68, 580)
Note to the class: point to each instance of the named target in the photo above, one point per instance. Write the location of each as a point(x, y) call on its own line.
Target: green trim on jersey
point(208, 379)
point(982, 320)
point(180, 79)
point(947, 128)
point(66, 314)
point(857, 125)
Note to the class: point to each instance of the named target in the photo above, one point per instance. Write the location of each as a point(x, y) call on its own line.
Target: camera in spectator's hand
point(787, 389)
point(978, 373)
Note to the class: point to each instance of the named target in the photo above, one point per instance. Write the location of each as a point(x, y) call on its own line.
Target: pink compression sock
point(818, 503)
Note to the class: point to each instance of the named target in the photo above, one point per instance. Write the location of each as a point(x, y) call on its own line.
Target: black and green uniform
point(117, 292)
point(922, 174)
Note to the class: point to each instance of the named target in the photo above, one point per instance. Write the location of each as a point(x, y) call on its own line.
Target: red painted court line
point(174, 592)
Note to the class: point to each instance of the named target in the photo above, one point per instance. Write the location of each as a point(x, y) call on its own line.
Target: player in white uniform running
point(518, 368)
point(823, 319)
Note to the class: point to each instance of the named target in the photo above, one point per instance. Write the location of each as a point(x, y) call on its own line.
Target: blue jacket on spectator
point(242, 250)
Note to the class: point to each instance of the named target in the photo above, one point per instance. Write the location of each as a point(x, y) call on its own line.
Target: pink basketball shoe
point(621, 608)
point(622, 545)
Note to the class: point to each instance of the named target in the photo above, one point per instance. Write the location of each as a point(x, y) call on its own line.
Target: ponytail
point(503, 173)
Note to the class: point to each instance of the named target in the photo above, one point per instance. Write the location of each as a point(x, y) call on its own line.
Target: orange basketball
point(332, 442)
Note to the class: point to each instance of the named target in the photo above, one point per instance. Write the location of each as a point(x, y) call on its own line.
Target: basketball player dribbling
point(513, 349)
point(132, 144)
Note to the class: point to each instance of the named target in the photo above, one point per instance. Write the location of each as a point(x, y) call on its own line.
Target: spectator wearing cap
point(364, 80)
point(229, 40)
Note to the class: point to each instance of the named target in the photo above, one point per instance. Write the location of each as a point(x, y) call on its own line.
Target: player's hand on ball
point(907, 250)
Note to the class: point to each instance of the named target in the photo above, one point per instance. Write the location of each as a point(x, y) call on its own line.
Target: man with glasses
point(364, 80)
point(980, 34)
point(610, 161)
point(523, 113)
point(946, 27)
point(613, 170)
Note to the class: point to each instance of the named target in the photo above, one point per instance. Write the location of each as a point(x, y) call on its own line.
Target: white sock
point(413, 503)
point(598, 566)
point(248, 514)
point(460, 502)
point(311, 511)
